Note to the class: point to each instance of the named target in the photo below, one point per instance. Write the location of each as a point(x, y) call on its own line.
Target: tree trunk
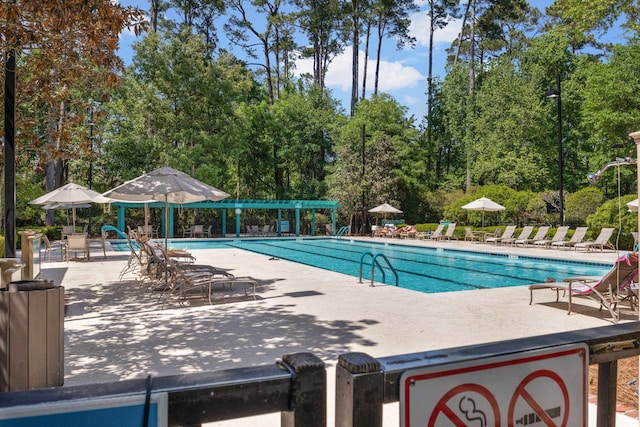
point(366, 60)
point(354, 56)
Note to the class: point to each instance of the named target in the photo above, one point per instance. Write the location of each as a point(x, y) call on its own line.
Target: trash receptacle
point(31, 335)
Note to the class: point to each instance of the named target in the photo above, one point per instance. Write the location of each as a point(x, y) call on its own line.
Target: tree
point(178, 105)
point(63, 46)
point(392, 20)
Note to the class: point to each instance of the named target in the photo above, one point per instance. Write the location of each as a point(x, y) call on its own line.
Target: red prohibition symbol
point(443, 409)
point(521, 392)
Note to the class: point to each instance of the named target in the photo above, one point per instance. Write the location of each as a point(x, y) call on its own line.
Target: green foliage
point(614, 213)
point(581, 204)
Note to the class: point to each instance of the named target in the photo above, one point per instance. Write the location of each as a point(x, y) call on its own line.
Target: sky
point(403, 73)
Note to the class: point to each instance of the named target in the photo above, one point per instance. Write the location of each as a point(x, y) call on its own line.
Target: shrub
point(581, 204)
point(614, 213)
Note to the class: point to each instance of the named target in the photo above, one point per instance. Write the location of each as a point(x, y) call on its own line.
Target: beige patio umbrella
point(633, 205)
point(168, 185)
point(483, 204)
point(71, 195)
point(385, 209)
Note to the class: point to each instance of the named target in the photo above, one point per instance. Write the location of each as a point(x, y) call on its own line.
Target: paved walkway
point(115, 330)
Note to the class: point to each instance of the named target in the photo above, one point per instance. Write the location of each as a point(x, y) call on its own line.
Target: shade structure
point(385, 208)
point(633, 205)
point(71, 195)
point(168, 185)
point(484, 204)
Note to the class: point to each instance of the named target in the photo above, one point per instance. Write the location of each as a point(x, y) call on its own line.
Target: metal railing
point(364, 383)
point(374, 263)
point(342, 230)
point(297, 387)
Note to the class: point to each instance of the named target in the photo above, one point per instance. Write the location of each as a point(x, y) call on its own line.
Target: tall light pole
point(364, 137)
point(557, 95)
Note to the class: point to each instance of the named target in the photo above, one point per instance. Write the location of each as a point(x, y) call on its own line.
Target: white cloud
point(419, 29)
point(393, 75)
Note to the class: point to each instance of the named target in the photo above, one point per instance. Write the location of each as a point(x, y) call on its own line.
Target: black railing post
point(359, 391)
point(607, 387)
point(309, 391)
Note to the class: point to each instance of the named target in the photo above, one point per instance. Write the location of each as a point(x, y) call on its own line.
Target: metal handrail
point(374, 262)
point(342, 230)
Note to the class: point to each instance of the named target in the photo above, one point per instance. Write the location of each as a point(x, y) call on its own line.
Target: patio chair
point(437, 232)
point(187, 231)
point(408, 232)
point(602, 241)
point(577, 237)
point(198, 231)
point(67, 230)
point(561, 232)
point(508, 234)
point(470, 236)
point(540, 234)
point(77, 243)
point(524, 234)
point(605, 290)
point(448, 235)
point(56, 245)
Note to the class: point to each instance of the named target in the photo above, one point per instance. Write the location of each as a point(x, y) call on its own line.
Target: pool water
point(422, 269)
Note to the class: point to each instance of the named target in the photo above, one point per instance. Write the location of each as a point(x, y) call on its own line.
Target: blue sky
point(403, 73)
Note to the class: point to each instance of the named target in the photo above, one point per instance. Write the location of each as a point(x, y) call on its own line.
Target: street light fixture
point(555, 94)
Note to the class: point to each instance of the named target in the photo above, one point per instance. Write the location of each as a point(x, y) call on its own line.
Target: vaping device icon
point(532, 418)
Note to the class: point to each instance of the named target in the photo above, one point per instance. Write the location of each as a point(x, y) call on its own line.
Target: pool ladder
point(343, 229)
point(374, 263)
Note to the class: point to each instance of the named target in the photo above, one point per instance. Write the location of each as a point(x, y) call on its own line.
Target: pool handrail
point(343, 229)
point(374, 262)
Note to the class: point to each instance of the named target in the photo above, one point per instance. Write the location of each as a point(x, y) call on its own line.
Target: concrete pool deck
point(115, 330)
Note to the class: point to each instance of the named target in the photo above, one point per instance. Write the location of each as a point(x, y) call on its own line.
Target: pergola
point(236, 206)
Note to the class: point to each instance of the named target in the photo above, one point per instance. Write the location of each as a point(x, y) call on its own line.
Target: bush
point(581, 204)
point(614, 213)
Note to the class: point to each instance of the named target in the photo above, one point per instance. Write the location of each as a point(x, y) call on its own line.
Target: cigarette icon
point(532, 418)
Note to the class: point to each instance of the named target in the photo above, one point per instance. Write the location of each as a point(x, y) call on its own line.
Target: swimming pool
point(422, 269)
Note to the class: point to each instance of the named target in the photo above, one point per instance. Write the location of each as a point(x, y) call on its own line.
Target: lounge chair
point(408, 232)
point(448, 235)
point(470, 236)
point(602, 241)
point(605, 290)
point(524, 234)
point(561, 232)
point(437, 232)
point(540, 234)
point(508, 234)
point(577, 237)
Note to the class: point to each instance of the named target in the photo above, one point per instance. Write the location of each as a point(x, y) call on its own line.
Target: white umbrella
point(168, 185)
point(385, 208)
point(633, 205)
point(483, 204)
point(70, 194)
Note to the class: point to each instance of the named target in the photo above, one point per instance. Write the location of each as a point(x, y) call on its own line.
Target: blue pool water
point(423, 269)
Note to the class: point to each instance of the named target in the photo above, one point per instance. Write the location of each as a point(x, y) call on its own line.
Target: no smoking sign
point(539, 388)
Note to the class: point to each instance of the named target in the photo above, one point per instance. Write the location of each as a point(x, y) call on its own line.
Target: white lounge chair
point(561, 233)
point(508, 234)
point(540, 234)
point(577, 237)
point(602, 241)
point(524, 234)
